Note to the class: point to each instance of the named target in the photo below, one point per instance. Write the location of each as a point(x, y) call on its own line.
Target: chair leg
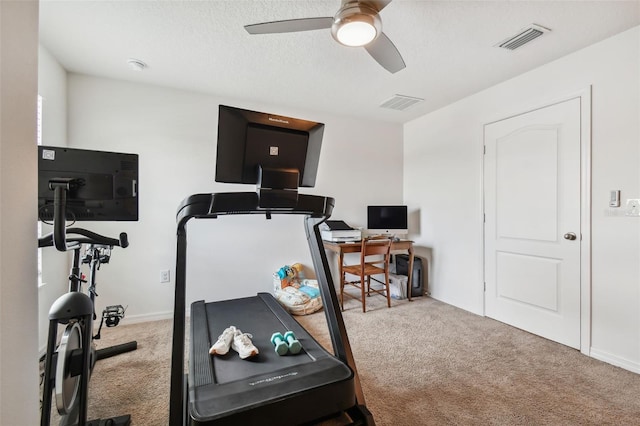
point(362, 284)
point(386, 284)
point(342, 292)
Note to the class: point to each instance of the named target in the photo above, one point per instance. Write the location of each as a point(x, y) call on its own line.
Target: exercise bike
point(68, 365)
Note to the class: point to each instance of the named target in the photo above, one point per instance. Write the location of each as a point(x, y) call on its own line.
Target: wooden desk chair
point(375, 254)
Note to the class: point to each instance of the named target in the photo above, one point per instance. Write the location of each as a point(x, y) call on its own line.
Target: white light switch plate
point(633, 207)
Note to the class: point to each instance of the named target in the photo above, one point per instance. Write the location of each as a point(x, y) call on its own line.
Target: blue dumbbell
point(294, 345)
point(279, 343)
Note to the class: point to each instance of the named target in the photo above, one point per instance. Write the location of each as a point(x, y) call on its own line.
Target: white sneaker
point(243, 345)
point(221, 346)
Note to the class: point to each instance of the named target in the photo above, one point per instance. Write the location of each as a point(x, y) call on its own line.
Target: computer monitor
point(102, 186)
point(387, 220)
point(276, 153)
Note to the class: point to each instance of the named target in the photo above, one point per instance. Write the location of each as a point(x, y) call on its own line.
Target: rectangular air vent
point(523, 37)
point(400, 102)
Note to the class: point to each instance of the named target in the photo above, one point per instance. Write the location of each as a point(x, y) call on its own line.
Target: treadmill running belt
point(268, 388)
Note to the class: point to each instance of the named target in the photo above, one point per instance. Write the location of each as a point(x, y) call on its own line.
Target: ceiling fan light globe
point(356, 25)
point(356, 33)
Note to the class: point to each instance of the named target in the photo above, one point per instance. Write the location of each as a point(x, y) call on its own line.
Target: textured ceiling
point(448, 47)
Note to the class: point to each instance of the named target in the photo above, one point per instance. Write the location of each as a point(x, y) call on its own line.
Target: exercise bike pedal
point(114, 421)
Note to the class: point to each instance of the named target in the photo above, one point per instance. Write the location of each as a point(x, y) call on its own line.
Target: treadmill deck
point(268, 388)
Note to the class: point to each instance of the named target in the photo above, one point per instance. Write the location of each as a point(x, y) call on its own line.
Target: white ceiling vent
point(400, 102)
point(523, 37)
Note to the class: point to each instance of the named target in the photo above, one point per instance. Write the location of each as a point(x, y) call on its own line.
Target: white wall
point(443, 178)
point(18, 275)
point(52, 87)
point(175, 132)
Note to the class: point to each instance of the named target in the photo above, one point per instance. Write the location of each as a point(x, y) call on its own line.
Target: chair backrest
point(375, 246)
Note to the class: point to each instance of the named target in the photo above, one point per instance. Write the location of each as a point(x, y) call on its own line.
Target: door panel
point(527, 177)
point(532, 198)
point(539, 288)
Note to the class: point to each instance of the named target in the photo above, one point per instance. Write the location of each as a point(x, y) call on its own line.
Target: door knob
point(569, 236)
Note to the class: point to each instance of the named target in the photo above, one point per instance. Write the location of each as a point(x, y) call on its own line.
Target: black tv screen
point(103, 185)
point(251, 140)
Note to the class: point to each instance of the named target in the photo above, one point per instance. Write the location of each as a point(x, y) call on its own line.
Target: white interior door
point(532, 215)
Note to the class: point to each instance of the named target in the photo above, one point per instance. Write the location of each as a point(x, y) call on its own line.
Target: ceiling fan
point(357, 23)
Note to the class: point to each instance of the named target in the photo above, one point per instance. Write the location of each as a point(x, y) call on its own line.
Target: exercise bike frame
point(75, 306)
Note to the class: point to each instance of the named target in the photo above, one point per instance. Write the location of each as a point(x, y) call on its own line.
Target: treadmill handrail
point(317, 210)
point(227, 203)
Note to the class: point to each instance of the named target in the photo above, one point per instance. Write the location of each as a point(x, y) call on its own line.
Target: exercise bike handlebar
point(84, 236)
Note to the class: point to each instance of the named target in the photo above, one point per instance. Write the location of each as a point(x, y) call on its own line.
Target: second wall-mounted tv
point(249, 141)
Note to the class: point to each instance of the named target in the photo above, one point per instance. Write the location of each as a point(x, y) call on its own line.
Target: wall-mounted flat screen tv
point(103, 186)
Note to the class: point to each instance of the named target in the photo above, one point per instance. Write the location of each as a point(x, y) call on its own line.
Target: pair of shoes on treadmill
point(235, 339)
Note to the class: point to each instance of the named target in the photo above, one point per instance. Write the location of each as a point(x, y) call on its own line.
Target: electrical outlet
point(165, 276)
point(633, 207)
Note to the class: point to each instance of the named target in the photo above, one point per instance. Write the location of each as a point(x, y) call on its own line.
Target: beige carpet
point(421, 363)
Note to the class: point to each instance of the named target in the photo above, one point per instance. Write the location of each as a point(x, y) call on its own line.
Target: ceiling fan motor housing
point(356, 14)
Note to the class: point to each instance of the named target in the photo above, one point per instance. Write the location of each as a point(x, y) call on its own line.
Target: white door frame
point(585, 208)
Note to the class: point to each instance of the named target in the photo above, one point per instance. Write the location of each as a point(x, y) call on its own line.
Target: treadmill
point(312, 387)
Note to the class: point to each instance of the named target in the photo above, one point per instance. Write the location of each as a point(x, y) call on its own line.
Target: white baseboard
point(157, 316)
point(129, 319)
point(615, 360)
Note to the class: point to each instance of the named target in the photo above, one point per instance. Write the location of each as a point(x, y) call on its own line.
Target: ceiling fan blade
point(290, 26)
point(385, 53)
point(377, 4)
